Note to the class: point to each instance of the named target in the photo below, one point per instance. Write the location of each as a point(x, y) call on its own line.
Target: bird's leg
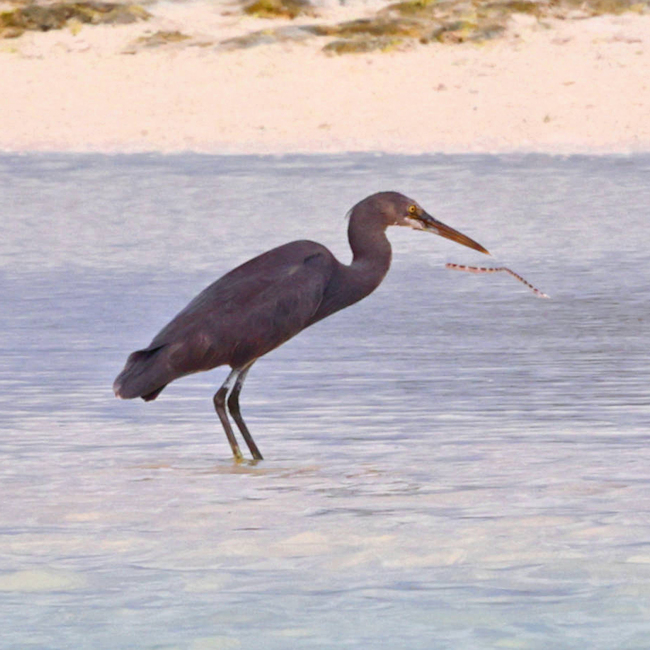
point(233, 407)
point(220, 407)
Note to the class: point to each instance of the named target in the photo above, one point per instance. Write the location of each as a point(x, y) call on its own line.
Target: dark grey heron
point(258, 306)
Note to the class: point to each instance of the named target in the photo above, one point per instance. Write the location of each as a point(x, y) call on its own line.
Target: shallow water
point(453, 463)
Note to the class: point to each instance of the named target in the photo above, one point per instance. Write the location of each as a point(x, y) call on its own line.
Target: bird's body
point(266, 301)
point(245, 314)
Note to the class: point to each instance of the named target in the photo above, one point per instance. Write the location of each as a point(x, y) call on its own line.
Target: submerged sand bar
point(573, 86)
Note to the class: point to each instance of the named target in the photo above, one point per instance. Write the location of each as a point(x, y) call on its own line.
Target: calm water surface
point(453, 464)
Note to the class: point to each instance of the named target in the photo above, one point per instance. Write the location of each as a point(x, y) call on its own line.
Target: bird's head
point(395, 209)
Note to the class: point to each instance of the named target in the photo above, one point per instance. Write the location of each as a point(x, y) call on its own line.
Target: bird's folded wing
point(251, 310)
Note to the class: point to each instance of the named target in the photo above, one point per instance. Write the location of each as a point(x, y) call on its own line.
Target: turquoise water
point(450, 464)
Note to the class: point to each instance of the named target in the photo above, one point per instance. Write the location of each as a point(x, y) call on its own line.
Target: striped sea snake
point(495, 269)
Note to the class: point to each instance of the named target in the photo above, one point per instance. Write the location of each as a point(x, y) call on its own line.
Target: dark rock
point(379, 26)
point(43, 18)
point(361, 45)
point(279, 8)
point(162, 38)
point(269, 36)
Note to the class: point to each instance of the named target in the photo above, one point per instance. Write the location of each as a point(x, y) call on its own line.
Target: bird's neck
point(371, 256)
point(371, 251)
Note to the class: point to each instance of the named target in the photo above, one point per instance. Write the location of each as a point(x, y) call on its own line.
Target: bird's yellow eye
point(413, 209)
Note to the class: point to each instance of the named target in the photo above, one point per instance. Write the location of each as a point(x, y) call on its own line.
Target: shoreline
point(557, 87)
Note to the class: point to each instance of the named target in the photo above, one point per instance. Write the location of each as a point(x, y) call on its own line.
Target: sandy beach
point(558, 86)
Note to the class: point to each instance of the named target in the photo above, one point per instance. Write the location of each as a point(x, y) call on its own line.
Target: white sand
point(576, 86)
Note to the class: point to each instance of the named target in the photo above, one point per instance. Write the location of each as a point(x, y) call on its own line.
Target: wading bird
point(258, 306)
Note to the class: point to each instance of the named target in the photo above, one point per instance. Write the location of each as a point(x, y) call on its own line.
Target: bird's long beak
point(426, 222)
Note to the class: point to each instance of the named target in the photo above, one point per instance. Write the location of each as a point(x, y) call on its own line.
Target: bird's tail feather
point(145, 375)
